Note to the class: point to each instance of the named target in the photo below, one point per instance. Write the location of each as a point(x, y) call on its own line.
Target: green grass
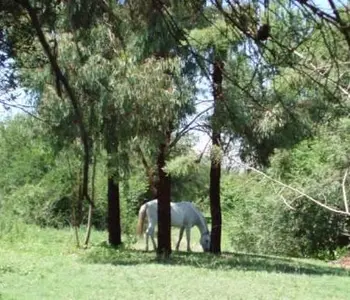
point(44, 264)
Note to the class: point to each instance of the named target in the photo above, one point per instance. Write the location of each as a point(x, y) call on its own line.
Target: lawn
point(44, 264)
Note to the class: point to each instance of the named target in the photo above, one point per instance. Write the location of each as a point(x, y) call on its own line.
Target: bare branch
point(320, 13)
point(344, 91)
point(199, 159)
point(188, 127)
point(301, 193)
point(286, 203)
point(25, 110)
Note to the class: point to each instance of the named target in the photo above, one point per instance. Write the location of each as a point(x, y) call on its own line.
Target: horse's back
point(182, 213)
point(189, 213)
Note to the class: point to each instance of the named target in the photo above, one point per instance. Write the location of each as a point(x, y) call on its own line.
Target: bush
point(258, 219)
point(255, 220)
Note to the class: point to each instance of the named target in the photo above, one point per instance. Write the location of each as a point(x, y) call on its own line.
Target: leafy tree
point(210, 40)
point(153, 20)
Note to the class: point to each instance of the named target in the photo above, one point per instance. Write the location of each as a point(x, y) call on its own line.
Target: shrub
point(255, 220)
point(258, 219)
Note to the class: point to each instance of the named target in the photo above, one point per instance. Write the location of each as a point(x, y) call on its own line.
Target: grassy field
point(44, 264)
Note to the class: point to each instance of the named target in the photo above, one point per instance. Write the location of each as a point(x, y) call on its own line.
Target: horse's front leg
point(180, 238)
point(188, 236)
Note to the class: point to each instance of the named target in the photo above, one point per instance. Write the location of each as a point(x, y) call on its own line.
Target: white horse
point(183, 214)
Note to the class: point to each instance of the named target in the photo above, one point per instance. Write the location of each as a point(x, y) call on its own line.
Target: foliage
point(181, 165)
point(34, 178)
point(260, 221)
point(257, 221)
point(190, 180)
point(39, 182)
point(25, 155)
point(317, 166)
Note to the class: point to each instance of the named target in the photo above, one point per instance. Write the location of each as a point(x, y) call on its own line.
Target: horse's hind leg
point(146, 241)
point(188, 236)
point(154, 243)
point(150, 233)
point(180, 238)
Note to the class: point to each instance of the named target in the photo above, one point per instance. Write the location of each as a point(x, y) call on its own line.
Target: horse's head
point(205, 241)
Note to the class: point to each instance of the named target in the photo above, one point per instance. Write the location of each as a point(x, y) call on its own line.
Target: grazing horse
point(183, 214)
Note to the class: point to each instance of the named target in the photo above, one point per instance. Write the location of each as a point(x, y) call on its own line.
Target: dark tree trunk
point(113, 195)
point(215, 206)
point(215, 166)
point(114, 230)
point(164, 189)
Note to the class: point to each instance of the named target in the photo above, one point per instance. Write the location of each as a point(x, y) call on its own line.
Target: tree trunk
point(113, 194)
point(164, 189)
point(79, 203)
point(114, 230)
point(91, 209)
point(77, 208)
point(215, 166)
point(93, 175)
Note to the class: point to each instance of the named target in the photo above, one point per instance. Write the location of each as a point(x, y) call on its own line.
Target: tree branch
point(149, 172)
point(320, 13)
point(286, 203)
point(301, 193)
point(187, 127)
point(344, 91)
point(199, 159)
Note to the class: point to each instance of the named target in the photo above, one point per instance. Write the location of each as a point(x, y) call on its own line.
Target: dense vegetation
point(117, 96)
point(39, 187)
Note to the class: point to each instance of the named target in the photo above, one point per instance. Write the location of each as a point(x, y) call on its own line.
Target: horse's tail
point(141, 219)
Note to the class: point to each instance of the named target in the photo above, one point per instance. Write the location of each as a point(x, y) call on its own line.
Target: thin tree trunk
point(215, 166)
point(79, 202)
point(76, 233)
point(77, 208)
point(93, 175)
point(164, 189)
point(91, 209)
point(75, 226)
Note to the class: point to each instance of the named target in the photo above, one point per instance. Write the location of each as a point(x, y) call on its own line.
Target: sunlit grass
point(45, 264)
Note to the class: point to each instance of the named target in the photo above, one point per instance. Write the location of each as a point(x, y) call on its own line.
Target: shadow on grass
point(226, 261)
